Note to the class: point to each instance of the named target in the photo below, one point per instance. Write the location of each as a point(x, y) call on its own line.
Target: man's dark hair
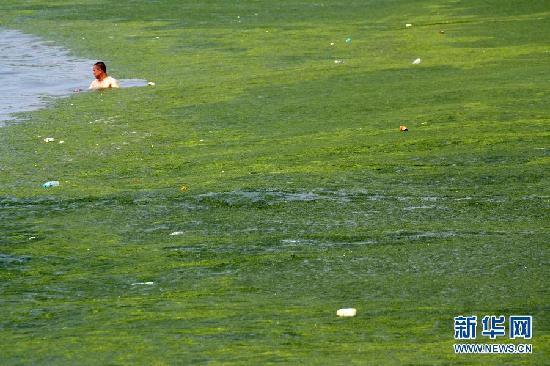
point(101, 65)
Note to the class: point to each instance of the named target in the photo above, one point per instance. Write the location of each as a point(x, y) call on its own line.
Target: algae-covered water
point(224, 215)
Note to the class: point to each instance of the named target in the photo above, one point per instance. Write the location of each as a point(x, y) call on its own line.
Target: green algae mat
point(224, 215)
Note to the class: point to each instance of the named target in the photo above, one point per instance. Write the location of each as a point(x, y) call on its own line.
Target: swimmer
point(102, 80)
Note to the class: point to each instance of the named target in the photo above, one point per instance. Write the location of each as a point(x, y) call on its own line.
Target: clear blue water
point(32, 71)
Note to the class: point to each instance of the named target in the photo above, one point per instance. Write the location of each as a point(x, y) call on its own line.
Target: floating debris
point(184, 188)
point(49, 139)
point(143, 283)
point(417, 61)
point(348, 40)
point(176, 233)
point(408, 25)
point(403, 128)
point(51, 183)
point(347, 312)
point(150, 83)
point(338, 62)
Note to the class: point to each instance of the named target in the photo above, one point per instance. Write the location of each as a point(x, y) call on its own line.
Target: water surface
point(32, 71)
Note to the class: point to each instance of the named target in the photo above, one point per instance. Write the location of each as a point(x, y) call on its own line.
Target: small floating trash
point(403, 128)
point(408, 25)
point(176, 233)
point(49, 139)
point(417, 61)
point(338, 62)
point(150, 83)
point(143, 283)
point(51, 183)
point(346, 312)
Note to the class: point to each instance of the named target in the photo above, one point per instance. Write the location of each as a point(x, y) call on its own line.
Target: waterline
point(32, 71)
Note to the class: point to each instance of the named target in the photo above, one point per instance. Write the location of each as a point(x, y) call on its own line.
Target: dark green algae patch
point(302, 196)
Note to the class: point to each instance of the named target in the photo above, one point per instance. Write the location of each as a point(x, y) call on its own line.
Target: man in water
point(102, 80)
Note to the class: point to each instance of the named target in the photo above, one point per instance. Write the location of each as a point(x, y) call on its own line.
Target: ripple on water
point(236, 198)
point(270, 197)
point(6, 259)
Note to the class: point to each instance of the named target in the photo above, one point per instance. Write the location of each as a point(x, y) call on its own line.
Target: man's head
point(99, 70)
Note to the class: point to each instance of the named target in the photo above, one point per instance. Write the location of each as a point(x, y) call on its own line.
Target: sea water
point(32, 71)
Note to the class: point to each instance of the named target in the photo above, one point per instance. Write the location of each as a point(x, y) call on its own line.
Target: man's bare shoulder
point(113, 83)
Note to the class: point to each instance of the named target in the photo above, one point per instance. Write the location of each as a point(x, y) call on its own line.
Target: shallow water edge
point(32, 71)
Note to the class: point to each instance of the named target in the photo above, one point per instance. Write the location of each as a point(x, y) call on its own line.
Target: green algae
point(302, 195)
